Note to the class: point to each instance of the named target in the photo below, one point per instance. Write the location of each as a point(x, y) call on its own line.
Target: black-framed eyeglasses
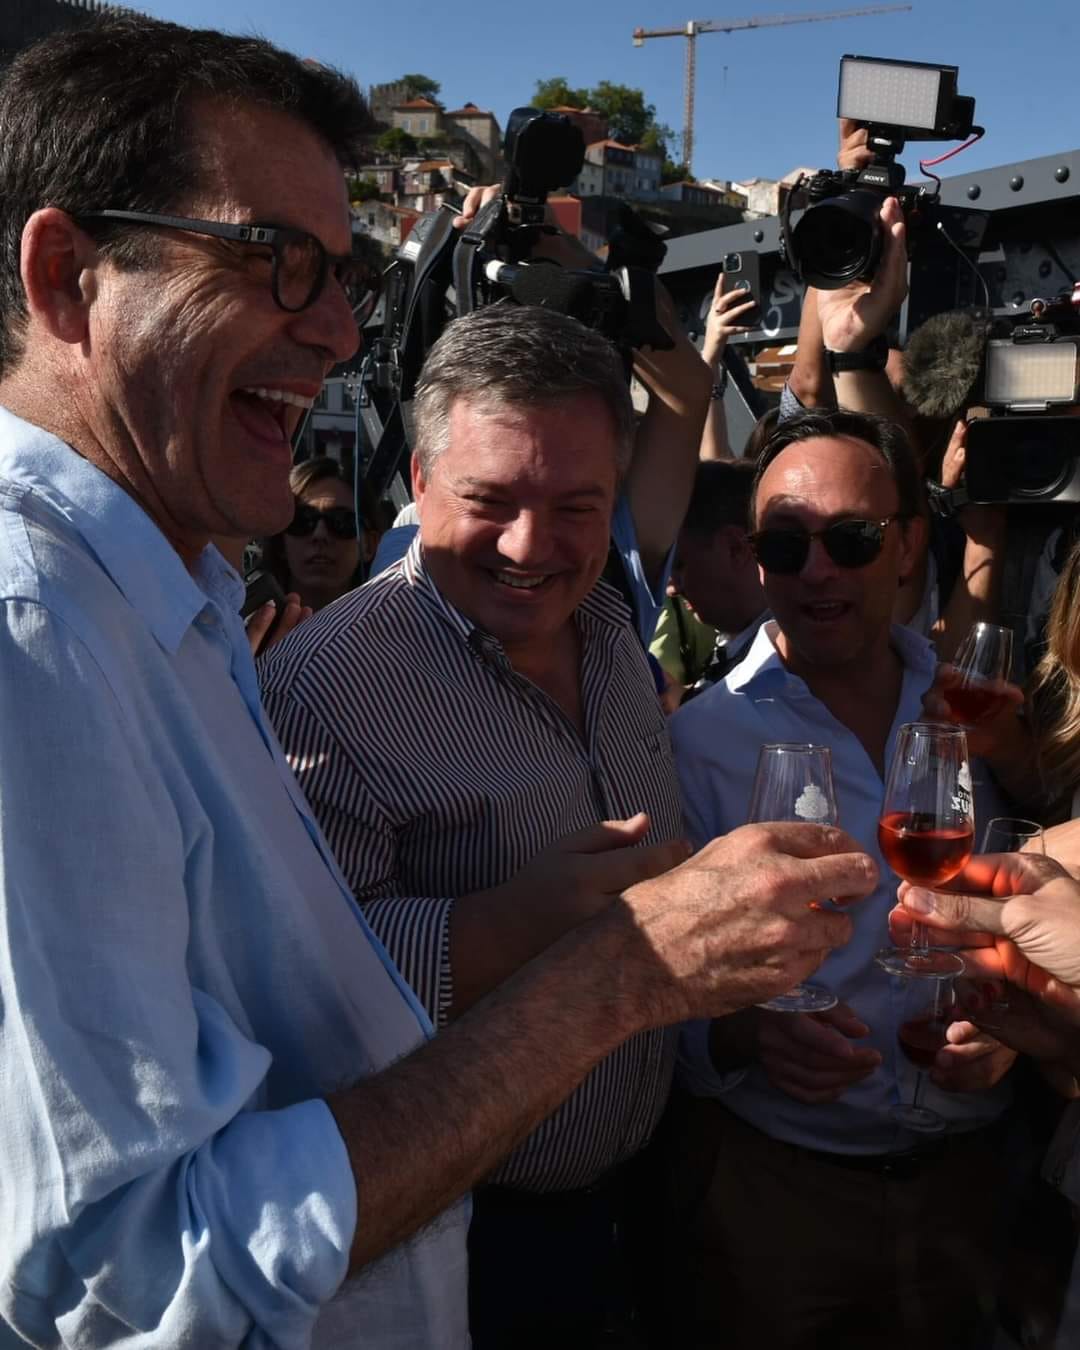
point(299, 262)
point(849, 543)
point(340, 521)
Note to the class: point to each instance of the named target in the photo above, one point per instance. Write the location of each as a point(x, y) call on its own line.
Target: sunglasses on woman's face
point(849, 543)
point(340, 521)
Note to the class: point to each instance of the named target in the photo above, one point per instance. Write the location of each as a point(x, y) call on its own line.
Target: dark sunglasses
point(299, 263)
point(849, 543)
point(340, 521)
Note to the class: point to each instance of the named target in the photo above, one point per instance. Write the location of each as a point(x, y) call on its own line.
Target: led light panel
point(889, 95)
point(1038, 373)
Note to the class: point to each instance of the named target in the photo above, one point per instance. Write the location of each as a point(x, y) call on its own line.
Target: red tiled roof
point(470, 110)
point(415, 103)
point(429, 164)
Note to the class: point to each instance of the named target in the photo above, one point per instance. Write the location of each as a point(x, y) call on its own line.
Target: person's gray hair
point(508, 355)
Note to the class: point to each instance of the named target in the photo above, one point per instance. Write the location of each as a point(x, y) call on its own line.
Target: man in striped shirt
point(453, 722)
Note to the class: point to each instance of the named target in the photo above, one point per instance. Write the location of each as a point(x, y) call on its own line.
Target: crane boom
point(693, 27)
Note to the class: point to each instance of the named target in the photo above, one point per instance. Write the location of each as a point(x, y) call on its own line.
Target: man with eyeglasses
point(224, 1120)
point(823, 1222)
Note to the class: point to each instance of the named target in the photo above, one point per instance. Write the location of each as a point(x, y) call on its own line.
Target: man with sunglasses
point(224, 1121)
point(804, 1139)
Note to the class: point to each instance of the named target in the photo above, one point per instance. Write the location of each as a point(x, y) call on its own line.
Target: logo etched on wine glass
point(794, 782)
point(812, 804)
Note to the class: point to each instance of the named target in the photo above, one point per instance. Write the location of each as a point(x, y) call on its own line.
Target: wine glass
point(926, 830)
point(794, 782)
point(984, 660)
point(927, 1008)
point(1011, 834)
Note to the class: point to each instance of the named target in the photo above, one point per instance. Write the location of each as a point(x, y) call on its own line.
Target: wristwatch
point(872, 357)
point(719, 384)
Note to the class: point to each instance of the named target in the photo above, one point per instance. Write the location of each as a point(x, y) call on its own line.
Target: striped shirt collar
point(603, 604)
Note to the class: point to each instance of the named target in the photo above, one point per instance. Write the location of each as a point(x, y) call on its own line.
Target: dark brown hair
point(99, 118)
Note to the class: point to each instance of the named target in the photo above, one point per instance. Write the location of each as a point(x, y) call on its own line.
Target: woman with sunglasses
point(325, 549)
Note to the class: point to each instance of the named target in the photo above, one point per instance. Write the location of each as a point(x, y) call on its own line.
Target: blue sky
point(765, 100)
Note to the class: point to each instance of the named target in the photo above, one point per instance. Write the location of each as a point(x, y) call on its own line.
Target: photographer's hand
point(852, 316)
point(661, 474)
point(725, 311)
point(854, 152)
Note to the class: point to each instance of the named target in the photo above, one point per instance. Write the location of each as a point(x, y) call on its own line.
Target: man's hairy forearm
point(423, 1132)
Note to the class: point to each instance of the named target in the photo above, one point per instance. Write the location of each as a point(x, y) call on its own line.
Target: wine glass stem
point(919, 940)
point(918, 1091)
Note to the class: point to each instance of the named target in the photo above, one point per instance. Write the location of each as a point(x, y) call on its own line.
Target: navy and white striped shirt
point(436, 770)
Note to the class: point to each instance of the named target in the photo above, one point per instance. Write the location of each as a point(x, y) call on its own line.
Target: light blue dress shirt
point(716, 738)
point(183, 972)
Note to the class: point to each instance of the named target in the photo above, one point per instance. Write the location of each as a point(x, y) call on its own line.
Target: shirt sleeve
point(695, 1069)
point(790, 404)
point(415, 930)
point(145, 1199)
point(647, 602)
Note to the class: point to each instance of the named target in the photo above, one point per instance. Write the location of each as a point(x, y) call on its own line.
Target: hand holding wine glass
point(794, 782)
point(984, 661)
point(926, 829)
point(1015, 915)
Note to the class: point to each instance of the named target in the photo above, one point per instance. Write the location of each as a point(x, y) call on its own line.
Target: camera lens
point(839, 240)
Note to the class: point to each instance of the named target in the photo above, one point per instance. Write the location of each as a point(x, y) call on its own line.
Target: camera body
point(441, 273)
point(1028, 449)
point(838, 238)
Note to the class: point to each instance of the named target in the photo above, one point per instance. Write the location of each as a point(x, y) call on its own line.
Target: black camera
point(440, 274)
point(838, 238)
point(1028, 449)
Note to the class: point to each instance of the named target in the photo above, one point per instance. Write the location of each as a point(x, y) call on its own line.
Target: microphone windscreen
point(943, 361)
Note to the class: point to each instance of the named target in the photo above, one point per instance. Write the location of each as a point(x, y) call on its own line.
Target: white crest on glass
point(812, 804)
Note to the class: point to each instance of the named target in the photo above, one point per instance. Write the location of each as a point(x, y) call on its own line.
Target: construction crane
point(695, 26)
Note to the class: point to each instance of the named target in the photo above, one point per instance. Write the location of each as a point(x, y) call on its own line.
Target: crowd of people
point(403, 987)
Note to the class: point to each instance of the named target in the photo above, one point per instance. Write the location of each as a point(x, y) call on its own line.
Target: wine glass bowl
point(928, 1006)
point(926, 830)
point(794, 782)
point(1011, 834)
point(984, 661)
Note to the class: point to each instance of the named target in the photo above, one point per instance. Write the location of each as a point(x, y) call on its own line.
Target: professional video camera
point(441, 273)
point(838, 238)
point(1027, 450)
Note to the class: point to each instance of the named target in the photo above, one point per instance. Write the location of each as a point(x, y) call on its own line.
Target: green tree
point(362, 189)
point(629, 116)
point(630, 119)
point(422, 86)
point(556, 93)
point(676, 173)
point(396, 142)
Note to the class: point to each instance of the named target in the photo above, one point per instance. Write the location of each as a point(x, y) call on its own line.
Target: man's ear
point(914, 537)
point(419, 482)
point(739, 544)
point(57, 266)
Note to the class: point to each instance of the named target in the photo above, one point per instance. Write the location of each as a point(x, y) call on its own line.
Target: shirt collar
point(130, 547)
point(603, 603)
point(762, 662)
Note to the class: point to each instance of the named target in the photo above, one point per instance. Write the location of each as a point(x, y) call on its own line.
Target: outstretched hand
point(854, 315)
point(1016, 917)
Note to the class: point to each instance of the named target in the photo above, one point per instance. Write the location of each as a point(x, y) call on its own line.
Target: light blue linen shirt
point(716, 738)
point(183, 972)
